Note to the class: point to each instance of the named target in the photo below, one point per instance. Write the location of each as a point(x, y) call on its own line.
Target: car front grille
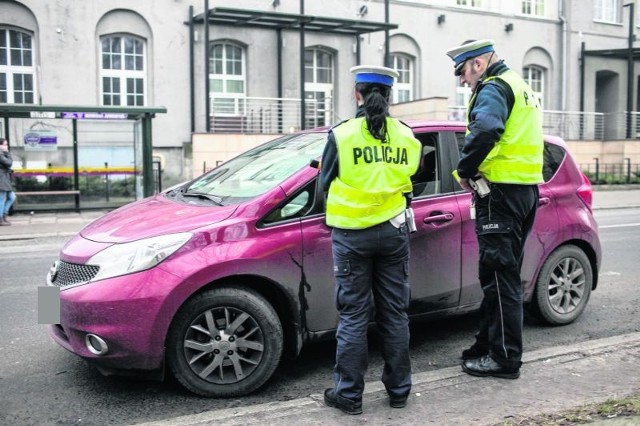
point(66, 274)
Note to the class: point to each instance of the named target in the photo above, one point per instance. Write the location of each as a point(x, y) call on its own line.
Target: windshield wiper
point(214, 198)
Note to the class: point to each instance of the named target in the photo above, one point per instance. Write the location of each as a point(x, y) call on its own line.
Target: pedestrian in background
point(503, 149)
point(366, 168)
point(7, 196)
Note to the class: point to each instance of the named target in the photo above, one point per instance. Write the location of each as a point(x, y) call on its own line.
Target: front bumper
point(131, 313)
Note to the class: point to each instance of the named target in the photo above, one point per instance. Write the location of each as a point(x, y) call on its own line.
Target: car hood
point(150, 217)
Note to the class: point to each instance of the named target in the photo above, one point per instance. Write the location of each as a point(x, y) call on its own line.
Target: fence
point(267, 115)
point(575, 125)
point(612, 173)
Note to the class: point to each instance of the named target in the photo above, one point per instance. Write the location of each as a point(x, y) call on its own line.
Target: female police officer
point(366, 168)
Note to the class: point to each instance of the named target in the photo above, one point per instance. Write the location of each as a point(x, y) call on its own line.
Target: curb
point(277, 412)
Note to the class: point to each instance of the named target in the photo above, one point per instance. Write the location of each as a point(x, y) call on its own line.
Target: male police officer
point(366, 169)
point(503, 145)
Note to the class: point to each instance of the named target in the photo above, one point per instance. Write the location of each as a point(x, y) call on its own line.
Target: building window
point(403, 87)
point(533, 7)
point(469, 3)
point(17, 70)
point(227, 79)
point(608, 11)
point(534, 76)
point(459, 110)
point(122, 71)
point(318, 87)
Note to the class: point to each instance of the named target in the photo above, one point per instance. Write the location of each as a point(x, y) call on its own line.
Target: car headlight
point(127, 258)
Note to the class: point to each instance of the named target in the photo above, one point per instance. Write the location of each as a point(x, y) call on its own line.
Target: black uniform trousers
point(504, 219)
point(372, 265)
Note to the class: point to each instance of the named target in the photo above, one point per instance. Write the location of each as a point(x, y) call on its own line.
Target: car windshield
point(257, 171)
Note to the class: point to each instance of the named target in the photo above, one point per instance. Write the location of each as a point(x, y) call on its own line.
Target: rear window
point(553, 156)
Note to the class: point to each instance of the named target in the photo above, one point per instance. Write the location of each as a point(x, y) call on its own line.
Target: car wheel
point(224, 342)
point(564, 286)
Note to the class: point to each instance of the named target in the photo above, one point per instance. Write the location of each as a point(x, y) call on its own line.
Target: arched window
point(17, 68)
point(534, 76)
point(227, 79)
point(318, 87)
point(123, 71)
point(403, 88)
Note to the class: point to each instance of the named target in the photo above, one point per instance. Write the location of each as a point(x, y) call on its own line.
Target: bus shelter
point(72, 143)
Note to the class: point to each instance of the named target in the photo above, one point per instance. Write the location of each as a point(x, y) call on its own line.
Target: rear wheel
point(224, 342)
point(564, 286)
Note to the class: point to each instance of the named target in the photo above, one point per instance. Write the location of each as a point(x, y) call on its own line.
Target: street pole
point(630, 70)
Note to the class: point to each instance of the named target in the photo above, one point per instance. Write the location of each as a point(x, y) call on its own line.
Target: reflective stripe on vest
point(518, 156)
point(373, 176)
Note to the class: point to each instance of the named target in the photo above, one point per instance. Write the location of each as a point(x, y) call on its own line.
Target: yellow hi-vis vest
point(373, 176)
point(517, 157)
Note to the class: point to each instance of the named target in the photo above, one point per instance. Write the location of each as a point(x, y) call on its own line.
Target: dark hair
point(376, 108)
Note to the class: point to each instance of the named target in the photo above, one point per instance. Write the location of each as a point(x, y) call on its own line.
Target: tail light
point(585, 191)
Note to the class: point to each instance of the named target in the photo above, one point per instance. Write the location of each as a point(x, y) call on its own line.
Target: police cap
point(469, 49)
point(374, 74)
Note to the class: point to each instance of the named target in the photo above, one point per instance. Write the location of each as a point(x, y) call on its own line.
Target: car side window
point(460, 139)
point(553, 156)
point(294, 207)
point(426, 181)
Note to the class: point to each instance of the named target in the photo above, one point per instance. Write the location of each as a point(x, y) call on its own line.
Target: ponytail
point(376, 108)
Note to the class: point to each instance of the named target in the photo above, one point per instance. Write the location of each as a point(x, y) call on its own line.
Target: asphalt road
point(41, 383)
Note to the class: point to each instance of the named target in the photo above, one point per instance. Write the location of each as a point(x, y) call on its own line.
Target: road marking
point(622, 225)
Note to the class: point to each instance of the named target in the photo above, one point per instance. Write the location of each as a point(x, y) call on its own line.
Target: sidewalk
point(552, 380)
point(68, 223)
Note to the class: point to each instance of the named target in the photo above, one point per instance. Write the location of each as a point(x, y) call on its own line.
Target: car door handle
point(445, 217)
point(543, 201)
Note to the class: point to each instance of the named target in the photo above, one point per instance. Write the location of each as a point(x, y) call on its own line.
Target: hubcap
point(566, 285)
point(224, 345)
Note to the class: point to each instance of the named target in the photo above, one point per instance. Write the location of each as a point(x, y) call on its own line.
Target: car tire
point(224, 342)
point(564, 286)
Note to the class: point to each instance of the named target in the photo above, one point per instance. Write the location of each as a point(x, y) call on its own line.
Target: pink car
point(222, 276)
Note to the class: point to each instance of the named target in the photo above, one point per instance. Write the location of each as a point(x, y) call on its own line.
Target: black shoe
point(486, 367)
point(475, 351)
point(398, 401)
point(349, 407)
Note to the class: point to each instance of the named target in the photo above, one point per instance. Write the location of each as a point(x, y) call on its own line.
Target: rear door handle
point(445, 217)
point(543, 201)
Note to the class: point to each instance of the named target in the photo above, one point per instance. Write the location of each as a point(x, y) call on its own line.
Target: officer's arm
point(486, 125)
point(329, 163)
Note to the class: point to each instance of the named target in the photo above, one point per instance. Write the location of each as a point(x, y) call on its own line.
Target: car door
point(435, 246)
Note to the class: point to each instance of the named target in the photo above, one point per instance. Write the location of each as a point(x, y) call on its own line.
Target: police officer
point(366, 168)
point(504, 145)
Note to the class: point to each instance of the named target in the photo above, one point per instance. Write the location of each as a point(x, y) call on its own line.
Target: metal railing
point(611, 173)
point(282, 115)
point(267, 115)
point(574, 125)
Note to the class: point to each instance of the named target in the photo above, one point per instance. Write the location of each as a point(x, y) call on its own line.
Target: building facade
point(247, 72)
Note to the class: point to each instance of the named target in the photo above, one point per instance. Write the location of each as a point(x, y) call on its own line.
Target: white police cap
point(469, 50)
point(374, 74)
